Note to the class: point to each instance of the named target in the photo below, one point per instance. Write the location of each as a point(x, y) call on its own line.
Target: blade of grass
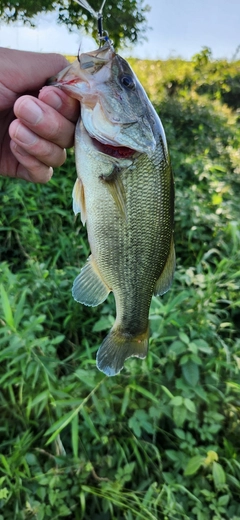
point(7, 311)
point(59, 425)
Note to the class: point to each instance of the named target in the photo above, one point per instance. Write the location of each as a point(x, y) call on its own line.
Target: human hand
point(34, 142)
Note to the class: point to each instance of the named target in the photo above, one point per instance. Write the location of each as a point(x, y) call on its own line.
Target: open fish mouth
point(117, 152)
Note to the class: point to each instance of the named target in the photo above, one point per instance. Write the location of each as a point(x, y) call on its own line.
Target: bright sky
point(179, 28)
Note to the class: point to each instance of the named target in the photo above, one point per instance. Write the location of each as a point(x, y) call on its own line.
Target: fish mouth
point(117, 152)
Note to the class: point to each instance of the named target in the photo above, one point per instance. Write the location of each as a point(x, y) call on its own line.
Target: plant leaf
point(219, 476)
point(191, 373)
point(7, 311)
point(193, 465)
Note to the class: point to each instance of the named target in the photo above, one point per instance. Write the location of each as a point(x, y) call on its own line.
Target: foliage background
point(130, 15)
point(161, 440)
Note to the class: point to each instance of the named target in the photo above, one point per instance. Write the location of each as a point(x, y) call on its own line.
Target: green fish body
point(125, 194)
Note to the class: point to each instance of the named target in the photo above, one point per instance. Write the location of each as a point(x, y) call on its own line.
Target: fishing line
point(98, 16)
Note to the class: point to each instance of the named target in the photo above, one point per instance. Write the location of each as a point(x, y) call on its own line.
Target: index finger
point(47, 122)
point(60, 101)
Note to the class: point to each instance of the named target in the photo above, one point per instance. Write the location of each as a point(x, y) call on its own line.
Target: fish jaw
point(117, 134)
point(71, 80)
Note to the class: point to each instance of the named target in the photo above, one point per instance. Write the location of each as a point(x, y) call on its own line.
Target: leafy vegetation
point(130, 15)
point(161, 440)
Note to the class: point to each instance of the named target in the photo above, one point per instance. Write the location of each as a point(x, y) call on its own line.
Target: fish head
point(115, 109)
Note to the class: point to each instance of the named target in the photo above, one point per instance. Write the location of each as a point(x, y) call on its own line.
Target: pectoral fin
point(89, 288)
point(165, 279)
point(115, 186)
point(79, 200)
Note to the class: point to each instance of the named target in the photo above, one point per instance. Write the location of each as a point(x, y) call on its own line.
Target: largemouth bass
point(124, 192)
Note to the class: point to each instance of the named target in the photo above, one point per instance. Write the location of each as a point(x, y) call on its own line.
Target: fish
point(125, 194)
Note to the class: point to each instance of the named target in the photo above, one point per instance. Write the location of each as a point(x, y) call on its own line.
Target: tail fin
point(117, 347)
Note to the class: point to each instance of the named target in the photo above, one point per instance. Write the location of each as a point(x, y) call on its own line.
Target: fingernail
point(30, 112)
point(24, 135)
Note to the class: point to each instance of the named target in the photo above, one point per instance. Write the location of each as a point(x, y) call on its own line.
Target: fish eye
point(128, 82)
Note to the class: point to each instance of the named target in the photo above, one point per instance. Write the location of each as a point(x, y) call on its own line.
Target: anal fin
point(165, 279)
point(79, 200)
point(89, 288)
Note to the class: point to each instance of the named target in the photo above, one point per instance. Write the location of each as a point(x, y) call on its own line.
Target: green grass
point(161, 440)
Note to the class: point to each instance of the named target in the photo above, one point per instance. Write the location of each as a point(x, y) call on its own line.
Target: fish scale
point(140, 237)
